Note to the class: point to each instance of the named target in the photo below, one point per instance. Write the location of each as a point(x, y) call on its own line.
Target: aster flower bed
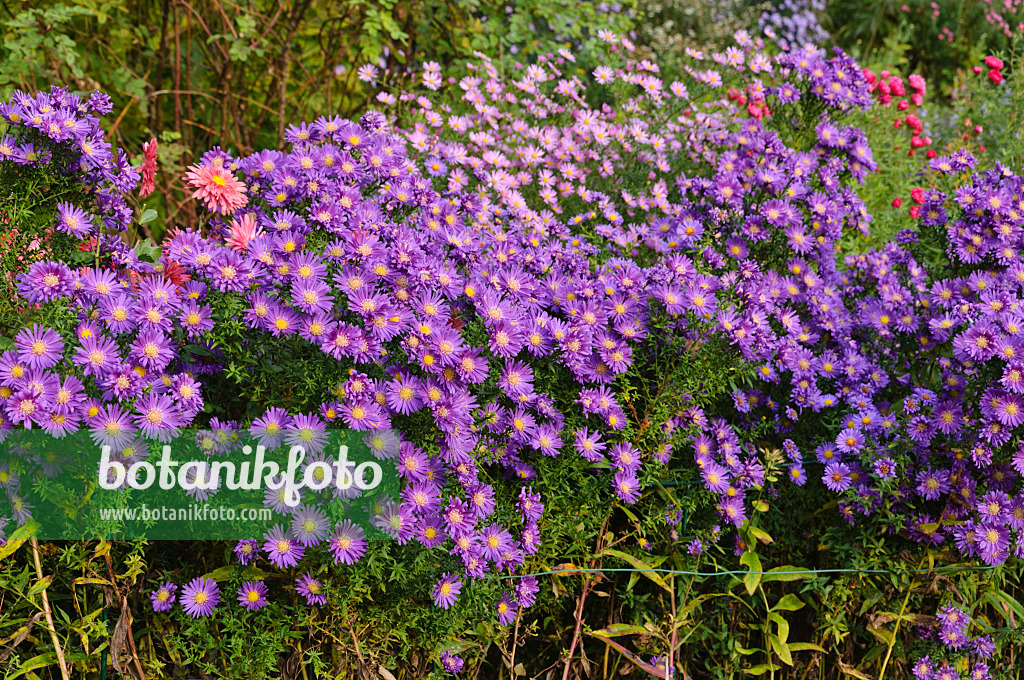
point(590, 307)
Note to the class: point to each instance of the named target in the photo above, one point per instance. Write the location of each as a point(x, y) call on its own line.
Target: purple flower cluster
point(953, 635)
point(60, 131)
point(794, 23)
point(446, 271)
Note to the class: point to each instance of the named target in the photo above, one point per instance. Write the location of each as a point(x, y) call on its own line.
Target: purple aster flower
point(885, 468)
point(38, 347)
point(347, 543)
point(163, 597)
point(395, 520)
point(716, 478)
point(200, 597)
point(849, 440)
point(526, 591)
point(253, 595)
point(45, 281)
point(446, 591)
point(837, 477)
point(530, 507)
point(96, 355)
point(627, 486)
point(733, 510)
point(507, 609)
point(452, 663)
point(309, 526)
point(246, 551)
point(281, 549)
point(458, 517)
point(312, 589)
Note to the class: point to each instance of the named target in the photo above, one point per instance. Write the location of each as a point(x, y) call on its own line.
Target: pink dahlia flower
point(242, 232)
point(217, 188)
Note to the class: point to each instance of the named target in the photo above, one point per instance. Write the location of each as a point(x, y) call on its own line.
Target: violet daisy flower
point(200, 597)
point(312, 589)
point(246, 551)
point(837, 477)
point(38, 346)
point(452, 663)
point(507, 609)
point(282, 550)
point(309, 526)
point(446, 591)
point(163, 597)
point(347, 543)
point(253, 595)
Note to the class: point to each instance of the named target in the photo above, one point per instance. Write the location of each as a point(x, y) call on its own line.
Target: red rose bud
point(884, 75)
point(897, 202)
point(869, 76)
point(914, 122)
point(994, 62)
point(995, 76)
point(978, 129)
point(931, 153)
point(903, 105)
point(896, 123)
point(977, 69)
point(917, 193)
point(918, 142)
point(915, 210)
point(917, 99)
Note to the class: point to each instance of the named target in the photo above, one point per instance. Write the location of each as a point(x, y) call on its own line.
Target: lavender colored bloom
point(246, 551)
point(446, 591)
point(347, 543)
point(452, 663)
point(312, 589)
point(507, 609)
point(253, 595)
point(281, 549)
point(163, 597)
point(200, 597)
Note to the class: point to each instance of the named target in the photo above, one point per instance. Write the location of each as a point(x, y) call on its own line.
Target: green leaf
point(787, 573)
point(761, 668)
point(789, 603)
point(231, 571)
point(148, 215)
point(753, 564)
point(782, 624)
point(41, 661)
point(617, 629)
point(782, 649)
point(804, 647)
point(644, 568)
point(40, 585)
point(761, 535)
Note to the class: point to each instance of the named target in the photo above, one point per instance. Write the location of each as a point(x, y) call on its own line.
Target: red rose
point(915, 210)
point(897, 202)
point(994, 62)
point(995, 76)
